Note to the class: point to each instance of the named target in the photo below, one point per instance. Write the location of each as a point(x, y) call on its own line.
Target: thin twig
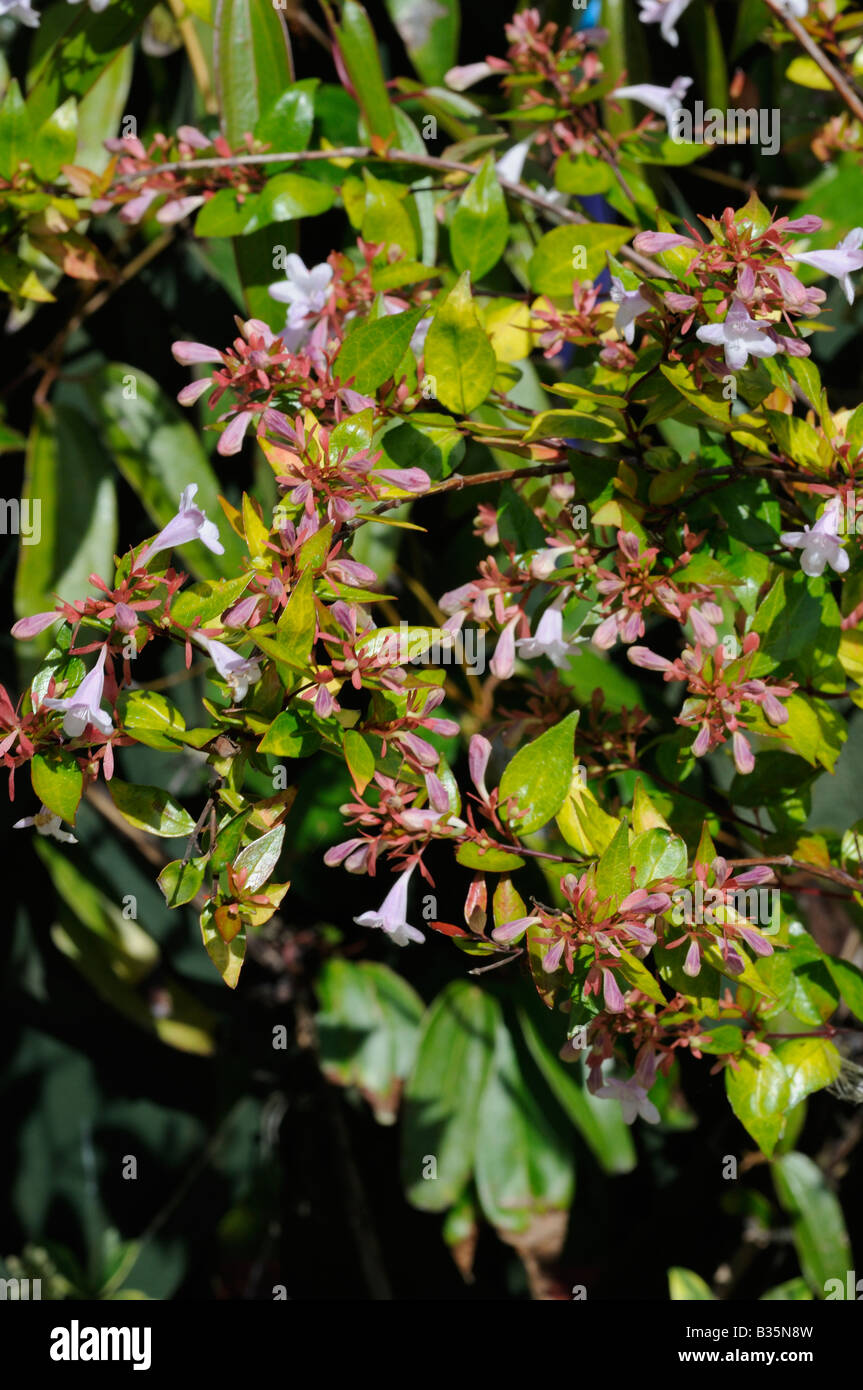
point(422, 161)
point(850, 97)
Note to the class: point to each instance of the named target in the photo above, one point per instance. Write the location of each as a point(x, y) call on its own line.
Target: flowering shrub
point(490, 383)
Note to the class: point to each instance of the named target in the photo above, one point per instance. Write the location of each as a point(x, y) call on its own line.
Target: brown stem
point(422, 161)
point(850, 97)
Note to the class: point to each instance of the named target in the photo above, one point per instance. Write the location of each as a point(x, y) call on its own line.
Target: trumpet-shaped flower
point(666, 101)
point(548, 640)
point(21, 10)
point(740, 335)
point(305, 293)
point(46, 823)
point(845, 257)
point(240, 672)
point(82, 707)
point(820, 543)
point(630, 303)
point(634, 1100)
point(190, 524)
point(665, 13)
point(391, 916)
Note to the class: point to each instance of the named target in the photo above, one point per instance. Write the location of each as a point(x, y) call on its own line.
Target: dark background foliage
point(252, 1170)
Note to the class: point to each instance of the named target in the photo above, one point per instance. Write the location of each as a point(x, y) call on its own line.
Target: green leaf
point(74, 46)
point(848, 979)
point(557, 260)
point(207, 601)
point(180, 882)
point(524, 1166)
point(288, 197)
point(658, 854)
point(147, 435)
point(103, 109)
point(373, 349)
point(226, 215)
point(599, 1123)
point(78, 524)
point(612, 872)
point(55, 141)
point(358, 46)
point(443, 1092)
point(227, 956)
point(289, 737)
point(253, 65)
point(296, 625)
point(793, 1290)
point(58, 782)
point(385, 215)
point(458, 355)
point(760, 1092)
point(151, 809)
point(817, 1224)
point(15, 130)
point(538, 777)
point(480, 227)
point(287, 125)
point(359, 758)
point(685, 1286)
point(492, 861)
point(811, 1063)
point(260, 858)
point(814, 730)
point(429, 33)
point(367, 1030)
point(151, 719)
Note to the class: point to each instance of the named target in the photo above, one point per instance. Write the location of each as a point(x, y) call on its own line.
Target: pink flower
point(391, 916)
point(740, 336)
point(37, 622)
point(630, 303)
point(820, 544)
point(839, 262)
point(190, 524)
point(634, 1100)
point(46, 823)
point(82, 708)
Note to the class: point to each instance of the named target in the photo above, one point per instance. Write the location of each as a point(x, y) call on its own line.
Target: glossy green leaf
point(372, 351)
point(759, 1090)
point(443, 1093)
point(571, 253)
point(56, 141)
point(368, 1030)
point(538, 777)
point(58, 782)
point(151, 809)
point(817, 1224)
point(260, 858)
point(147, 435)
point(684, 1285)
point(524, 1163)
point(77, 525)
point(181, 882)
point(253, 64)
point(359, 50)
point(429, 33)
point(480, 227)
point(459, 358)
point(73, 48)
point(15, 130)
